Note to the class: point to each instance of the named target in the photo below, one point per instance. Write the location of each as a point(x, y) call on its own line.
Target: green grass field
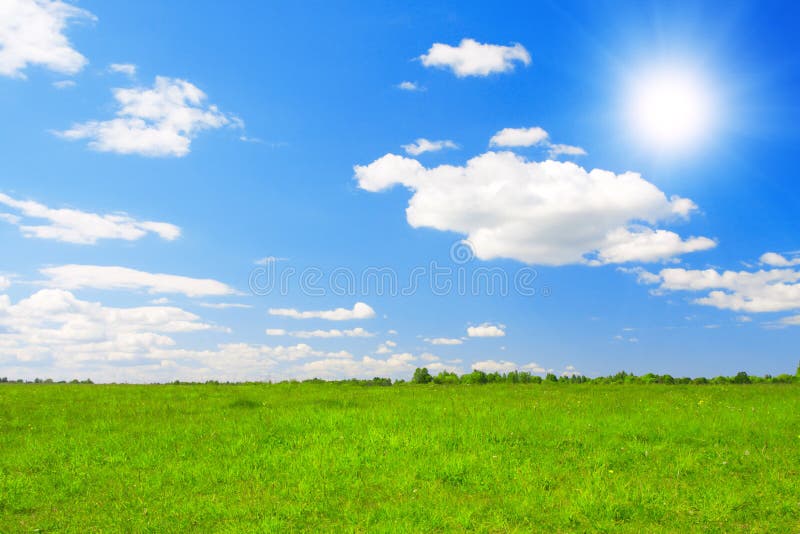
point(408, 458)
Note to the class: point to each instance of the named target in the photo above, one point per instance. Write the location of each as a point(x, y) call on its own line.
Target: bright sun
point(670, 109)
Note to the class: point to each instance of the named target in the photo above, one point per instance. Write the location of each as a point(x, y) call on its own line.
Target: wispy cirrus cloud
point(360, 310)
point(129, 69)
point(80, 227)
point(71, 277)
point(422, 145)
point(332, 333)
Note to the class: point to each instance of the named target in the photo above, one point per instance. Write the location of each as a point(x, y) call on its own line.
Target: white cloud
point(395, 366)
point(64, 84)
point(642, 276)
point(492, 366)
point(776, 260)
point(128, 69)
point(445, 341)
point(276, 332)
point(514, 137)
point(794, 320)
point(526, 137)
point(360, 310)
point(32, 33)
point(565, 150)
point(410, 86)
point(268, 259)
point(486, 330)
point(471, 58)
point(112, 277)
point(386, 348)
point(422, 145)
point(54, 334)
point(533, 368)
point(224, 305)
point(80, 227)
point(547, 213)
point(760, 291)
point(354, 332)
point(647, 245)
point(157, 122)
point(5, 283)
point(53, 324)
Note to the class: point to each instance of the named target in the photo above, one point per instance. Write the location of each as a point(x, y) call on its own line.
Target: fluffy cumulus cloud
point(471, 58)
point(519, 137)
point(75, 226)
point(533, 136)
point(546, 213)
point(386, 347)
point(72, 277)
point(360, 310)
point(52, 333)
point(5, 283)
point(32, 33)
point(422, 145)
point(777, 260)
point(332, 333)
point(556, 150)
point(486, 330)
point(773, 290)
point(54, 325)
point(160, 121)
point(410, 86)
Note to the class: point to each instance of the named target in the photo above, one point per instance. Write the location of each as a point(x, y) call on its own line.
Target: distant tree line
point(423, 376)
point(476, 377)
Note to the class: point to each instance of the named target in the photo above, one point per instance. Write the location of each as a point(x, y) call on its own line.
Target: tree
point(741, 378)
point(797, 374)
point(422, 376)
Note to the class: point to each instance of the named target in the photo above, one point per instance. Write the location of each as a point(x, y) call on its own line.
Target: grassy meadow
point(406, 458)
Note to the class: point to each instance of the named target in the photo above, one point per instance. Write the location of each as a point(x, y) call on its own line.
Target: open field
point(327, 457)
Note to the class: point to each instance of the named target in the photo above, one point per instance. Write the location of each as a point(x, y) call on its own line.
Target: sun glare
point(670, 109)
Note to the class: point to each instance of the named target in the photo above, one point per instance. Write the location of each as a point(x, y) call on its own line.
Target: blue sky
point(630, 162)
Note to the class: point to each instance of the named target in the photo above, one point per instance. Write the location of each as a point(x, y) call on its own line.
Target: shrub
point(446, 377)
point(475, 377)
